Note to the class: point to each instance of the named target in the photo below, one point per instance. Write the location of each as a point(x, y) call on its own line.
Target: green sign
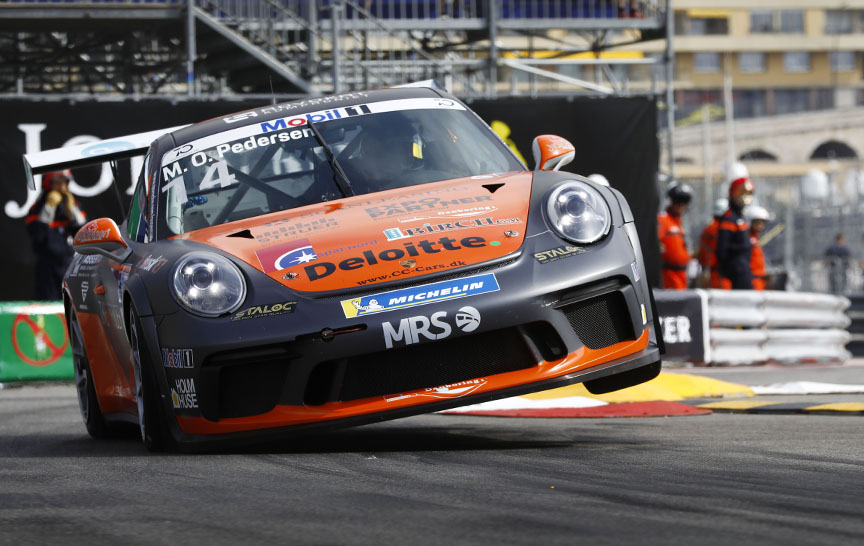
point(34, 344)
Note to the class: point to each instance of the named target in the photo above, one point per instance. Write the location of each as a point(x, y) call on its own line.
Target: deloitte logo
point(433, 327)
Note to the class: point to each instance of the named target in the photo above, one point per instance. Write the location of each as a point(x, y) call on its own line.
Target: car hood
point(394, 235)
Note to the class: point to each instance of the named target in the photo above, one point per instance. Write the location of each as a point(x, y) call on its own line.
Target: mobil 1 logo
point(436, 326)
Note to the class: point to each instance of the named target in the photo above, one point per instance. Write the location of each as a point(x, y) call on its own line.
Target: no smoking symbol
point(44, 350)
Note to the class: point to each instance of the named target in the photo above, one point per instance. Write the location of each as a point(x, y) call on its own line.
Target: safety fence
point(738, 327)
point(34, 344)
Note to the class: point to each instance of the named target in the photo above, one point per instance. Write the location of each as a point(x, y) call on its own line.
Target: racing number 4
point(217, 175)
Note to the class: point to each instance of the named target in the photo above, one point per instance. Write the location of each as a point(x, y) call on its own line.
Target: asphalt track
point(440, 479)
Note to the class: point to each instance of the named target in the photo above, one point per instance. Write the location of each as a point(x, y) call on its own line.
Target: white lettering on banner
point(676, 329)
point(33, 144)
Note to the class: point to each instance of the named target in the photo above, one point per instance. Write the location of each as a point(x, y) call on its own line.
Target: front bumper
point(550, 324)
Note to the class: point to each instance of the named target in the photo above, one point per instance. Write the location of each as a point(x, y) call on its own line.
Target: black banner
point(614, 137)
point(682, 319)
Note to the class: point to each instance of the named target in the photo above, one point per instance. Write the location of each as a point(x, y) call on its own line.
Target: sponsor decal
point(121, 274)
point(269, 310)
point(177, 358)
point(85, 287)
point(354, 246)
point(402, 233)
point(455, 213)
point(559, 253)
point(152, 264)
point(434, 327)
point(291, 229)
point(314, 117)
point(109, 147)
point(420, 295)
point(411, 249)
point(394, 234)
point(409, 269)
point(90, 233)
point(453, 390)
point(82, 264)
point(277, 108)
point(279, 257)
point(635, 269)
point(183, 394)
point(420, 205)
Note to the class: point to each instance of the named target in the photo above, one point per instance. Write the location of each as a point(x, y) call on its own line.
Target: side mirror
point(101, 236)
point(552, 152)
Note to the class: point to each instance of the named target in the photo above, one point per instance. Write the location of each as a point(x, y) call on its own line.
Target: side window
point(138, 211)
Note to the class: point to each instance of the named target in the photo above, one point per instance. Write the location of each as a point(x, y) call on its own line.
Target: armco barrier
point(34, 344)
point(748, 327)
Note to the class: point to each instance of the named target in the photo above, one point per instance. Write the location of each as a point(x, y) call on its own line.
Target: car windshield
point(281, 164)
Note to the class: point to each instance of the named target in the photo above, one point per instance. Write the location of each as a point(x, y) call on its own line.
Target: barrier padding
point(34, 344)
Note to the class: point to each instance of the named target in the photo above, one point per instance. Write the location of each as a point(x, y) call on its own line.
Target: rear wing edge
point(92, 153)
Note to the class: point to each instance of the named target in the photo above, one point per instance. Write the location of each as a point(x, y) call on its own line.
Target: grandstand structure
point(206, 49)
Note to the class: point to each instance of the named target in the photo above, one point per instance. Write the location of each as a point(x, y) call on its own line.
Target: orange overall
point(673, 251)
point(757, 263)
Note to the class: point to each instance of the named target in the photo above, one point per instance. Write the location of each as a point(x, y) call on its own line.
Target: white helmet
point(599, 179)
point(755, 212)
point(721, 206)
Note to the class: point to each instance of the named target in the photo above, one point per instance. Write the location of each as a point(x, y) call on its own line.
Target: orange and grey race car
point(343, 260)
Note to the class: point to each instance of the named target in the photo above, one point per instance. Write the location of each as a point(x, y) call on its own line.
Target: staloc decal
point(269, 310)
point(420, 295)
point(559, 253)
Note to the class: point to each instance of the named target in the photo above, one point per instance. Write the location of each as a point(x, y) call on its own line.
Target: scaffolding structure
point(281, 49)
point(205, 48)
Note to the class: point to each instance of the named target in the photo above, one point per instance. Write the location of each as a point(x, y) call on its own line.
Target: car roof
point(298, 107)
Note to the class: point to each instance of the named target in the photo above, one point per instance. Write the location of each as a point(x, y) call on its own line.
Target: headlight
point(208, 284)
point(578, 213)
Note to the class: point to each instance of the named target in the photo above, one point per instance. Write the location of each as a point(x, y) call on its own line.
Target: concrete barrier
point(749, 327)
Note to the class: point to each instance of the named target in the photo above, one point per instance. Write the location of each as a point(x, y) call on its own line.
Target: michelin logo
point(420, 295)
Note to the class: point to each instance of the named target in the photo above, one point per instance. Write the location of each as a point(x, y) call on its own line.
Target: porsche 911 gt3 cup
point(333, 263)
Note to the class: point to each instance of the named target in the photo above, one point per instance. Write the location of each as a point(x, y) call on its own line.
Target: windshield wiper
point(339, 175)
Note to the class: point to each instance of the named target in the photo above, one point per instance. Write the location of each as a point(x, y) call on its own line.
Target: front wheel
point(87, 401)
point(151, 416)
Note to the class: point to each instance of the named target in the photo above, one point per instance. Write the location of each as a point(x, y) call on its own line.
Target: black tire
point(95, 422)
point(151, 416)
